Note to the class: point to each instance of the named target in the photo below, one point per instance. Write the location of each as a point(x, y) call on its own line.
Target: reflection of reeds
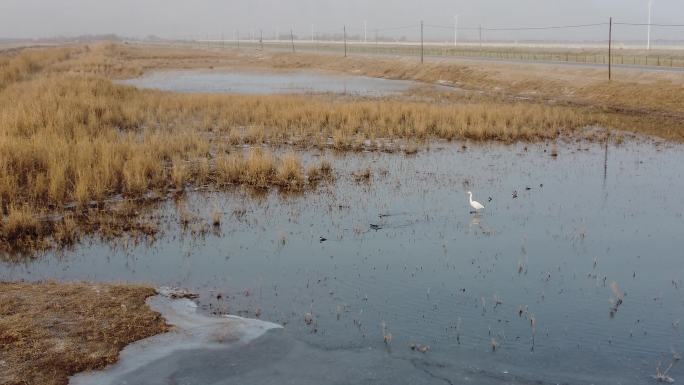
point(185, 217)
point(497, 300)
point(320, 171)
point(662, 375)
point(458, 330)
point(419, 347)
point(617, 299)
point(216, 215)
point(533, 326)
point(282, 238)
point(386, 335)
point(411, 149)
point(363, 175)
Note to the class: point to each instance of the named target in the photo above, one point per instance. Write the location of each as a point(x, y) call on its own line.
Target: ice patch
point(191, 330)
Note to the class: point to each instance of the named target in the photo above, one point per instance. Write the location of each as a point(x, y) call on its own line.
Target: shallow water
point(261, 82)
point(432, 271)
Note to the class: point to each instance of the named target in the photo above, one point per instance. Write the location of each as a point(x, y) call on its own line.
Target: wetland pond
point(264, 82)
point(530, 274)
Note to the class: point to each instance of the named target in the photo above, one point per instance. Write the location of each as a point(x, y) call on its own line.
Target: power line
point(518, 28)
point(521, 28)
point(547, 27)
point(652, 25)
point(451, 28)
point(413, 26)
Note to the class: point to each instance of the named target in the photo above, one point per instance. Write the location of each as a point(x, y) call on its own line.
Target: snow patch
point(190, 330)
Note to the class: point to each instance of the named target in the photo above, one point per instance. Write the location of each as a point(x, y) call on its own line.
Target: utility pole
point(421, 42)
point(292, 40)
point(376, 40)
point(365, 31)
point(238, 38)
point(312, 33)
point(480, 37)
point(261, 38)
point(650, 7)
point(455, 30)
point(344, 32)
point(610, 53)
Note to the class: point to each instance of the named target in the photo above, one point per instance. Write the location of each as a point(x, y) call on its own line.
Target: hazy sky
point(184, 18)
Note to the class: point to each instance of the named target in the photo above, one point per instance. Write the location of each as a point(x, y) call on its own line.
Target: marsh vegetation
point(73, 143)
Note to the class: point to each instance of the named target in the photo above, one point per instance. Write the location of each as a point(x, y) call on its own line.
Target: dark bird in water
point(490, 199)
point(375, 227)
point(322, 239)
point(515, 194)
point(528, 188)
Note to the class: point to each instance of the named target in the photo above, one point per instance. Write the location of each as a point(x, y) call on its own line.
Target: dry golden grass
point(289, 173)
point(49, 331)
point(21, 222)
point(69, 137)
point(643, 102)
point(260, 170)
point(29, 62)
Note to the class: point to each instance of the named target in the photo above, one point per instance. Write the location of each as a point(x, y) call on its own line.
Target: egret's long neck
point(470, 195)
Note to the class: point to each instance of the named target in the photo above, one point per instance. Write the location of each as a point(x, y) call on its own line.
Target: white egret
point(475, 204)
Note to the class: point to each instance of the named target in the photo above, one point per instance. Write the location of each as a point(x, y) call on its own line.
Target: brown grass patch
point(29, 62)
point(49, 331)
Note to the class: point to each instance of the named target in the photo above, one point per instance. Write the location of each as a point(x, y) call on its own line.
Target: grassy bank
point(49, 331)
point(630, 93)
